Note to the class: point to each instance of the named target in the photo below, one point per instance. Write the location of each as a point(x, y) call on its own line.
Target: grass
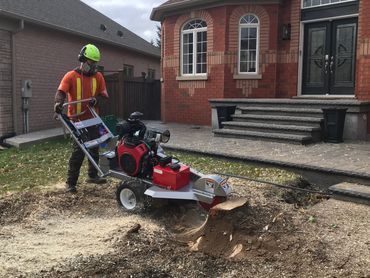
point(45, 164)
point(209, 165)
point(35, 166)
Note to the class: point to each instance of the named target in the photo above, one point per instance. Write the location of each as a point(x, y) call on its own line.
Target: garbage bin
point(334, 124)
point(224, 114)
point(111, 122)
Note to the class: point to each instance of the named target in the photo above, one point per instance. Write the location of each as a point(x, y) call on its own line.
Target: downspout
point(14, 91)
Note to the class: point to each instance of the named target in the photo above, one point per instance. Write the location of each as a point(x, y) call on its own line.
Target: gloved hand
point(93, 101)
point(58, 107)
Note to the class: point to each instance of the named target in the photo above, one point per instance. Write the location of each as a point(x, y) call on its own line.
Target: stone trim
point(247, 76)
point(192, 78)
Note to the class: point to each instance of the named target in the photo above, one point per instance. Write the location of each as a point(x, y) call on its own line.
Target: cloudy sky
point(132, 14)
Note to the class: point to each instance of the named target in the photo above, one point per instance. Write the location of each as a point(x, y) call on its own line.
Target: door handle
point(326, 64)
point(332, 64)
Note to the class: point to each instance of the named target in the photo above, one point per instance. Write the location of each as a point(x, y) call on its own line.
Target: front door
point(329, 57)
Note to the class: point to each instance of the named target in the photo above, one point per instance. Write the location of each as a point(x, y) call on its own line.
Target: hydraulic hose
point(276, 184)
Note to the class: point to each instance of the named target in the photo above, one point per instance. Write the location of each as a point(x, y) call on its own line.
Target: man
point(82, 83)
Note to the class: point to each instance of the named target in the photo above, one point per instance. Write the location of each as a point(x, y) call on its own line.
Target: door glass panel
point(316, 52)
point(344, 54)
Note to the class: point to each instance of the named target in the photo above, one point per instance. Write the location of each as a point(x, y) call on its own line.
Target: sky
point(131, 14)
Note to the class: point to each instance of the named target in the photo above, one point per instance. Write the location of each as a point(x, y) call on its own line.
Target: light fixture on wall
point(286, 31)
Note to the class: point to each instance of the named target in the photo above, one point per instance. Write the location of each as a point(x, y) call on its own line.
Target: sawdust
point(51, 234)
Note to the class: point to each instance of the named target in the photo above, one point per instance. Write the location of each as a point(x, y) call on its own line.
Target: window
point(151, 74)
point(315, 3)
point(248, 44)
point(194, 48)
point(128, 71)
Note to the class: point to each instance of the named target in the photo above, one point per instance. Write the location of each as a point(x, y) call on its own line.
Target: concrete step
point(314, 132)
point(36, 137)
point(280, 120)
point(283, 111)
point(277, 137)
point(351, 192)
point(352, 105)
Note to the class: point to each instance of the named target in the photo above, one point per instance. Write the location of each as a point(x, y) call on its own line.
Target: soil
point(278, 233)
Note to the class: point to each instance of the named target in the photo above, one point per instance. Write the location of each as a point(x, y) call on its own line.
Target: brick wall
point(187, 101)
point(287, 68)
point(45, 55)
point(6, 120)
point(363, 55)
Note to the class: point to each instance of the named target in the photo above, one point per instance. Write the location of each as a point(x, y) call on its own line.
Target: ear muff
point(81, 55)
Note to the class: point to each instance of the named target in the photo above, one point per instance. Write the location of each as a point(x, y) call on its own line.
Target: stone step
point(314, 132)
point(351, 192)
point(284, 111)
point(280, 120)
point(277, 137)
point(352, 105)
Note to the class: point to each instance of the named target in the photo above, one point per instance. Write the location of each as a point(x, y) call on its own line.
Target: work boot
point(71, 188)
point(96, 180)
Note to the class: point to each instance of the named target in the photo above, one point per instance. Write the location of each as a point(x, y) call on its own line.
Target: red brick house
point(265, 53)
point(40, 41)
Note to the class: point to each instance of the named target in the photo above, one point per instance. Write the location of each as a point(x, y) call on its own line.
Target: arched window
point(194, 48)
point(248, 44)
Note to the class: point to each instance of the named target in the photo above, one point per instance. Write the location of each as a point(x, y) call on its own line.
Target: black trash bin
point(334, 124)
point(224, 114)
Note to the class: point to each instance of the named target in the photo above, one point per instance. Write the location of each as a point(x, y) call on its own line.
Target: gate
point(127, 95)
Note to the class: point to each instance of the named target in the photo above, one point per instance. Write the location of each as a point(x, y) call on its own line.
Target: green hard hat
point(90, 52)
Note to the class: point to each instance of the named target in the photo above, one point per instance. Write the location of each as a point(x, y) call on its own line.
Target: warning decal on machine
point(209, 185)
point(158, 171)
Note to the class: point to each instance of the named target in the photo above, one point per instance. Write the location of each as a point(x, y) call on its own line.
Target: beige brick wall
point(6, 120)
point(44, 56)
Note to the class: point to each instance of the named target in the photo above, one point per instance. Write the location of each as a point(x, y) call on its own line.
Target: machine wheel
point(216, 200)
point(130, 195)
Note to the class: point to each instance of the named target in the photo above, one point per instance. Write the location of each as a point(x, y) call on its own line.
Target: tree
point(158, 38)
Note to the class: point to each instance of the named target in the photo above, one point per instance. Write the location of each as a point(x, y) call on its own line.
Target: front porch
point(287, 120)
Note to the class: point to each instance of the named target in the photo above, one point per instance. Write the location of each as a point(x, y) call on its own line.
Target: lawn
point(45, 164)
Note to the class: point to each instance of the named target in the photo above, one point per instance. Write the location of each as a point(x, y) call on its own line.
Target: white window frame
point(327, 4)
point(244, 25)
point(194, 32)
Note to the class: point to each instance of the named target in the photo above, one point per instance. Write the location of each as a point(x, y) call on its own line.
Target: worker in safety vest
point(82, 83)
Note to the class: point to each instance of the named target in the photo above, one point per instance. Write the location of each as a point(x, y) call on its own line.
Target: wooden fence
point(130, 95)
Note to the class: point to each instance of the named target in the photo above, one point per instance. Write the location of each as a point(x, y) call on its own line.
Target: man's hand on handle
point(93, 101)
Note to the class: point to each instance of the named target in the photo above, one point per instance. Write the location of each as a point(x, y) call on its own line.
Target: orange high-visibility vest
point(77, 87)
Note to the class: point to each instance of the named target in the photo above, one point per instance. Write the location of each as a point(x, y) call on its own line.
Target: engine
point(138, 147)
point(131, 157)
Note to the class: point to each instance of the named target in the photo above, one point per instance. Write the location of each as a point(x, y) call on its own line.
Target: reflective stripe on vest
point(93, 86)
point(78, 95)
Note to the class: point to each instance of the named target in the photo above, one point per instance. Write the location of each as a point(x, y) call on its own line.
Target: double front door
point(329, 57)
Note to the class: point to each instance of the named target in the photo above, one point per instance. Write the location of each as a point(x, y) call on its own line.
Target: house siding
point(44, 55)
point(187, 101)
point(6, 120)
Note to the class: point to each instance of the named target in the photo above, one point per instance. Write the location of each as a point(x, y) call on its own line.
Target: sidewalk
point(349, 158)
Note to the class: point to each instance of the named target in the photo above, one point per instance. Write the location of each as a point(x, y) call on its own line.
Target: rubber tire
point(137, 189)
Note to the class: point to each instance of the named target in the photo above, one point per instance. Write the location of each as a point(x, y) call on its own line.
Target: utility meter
point(26, 88)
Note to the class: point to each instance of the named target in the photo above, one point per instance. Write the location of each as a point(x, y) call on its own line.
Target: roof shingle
point(76, 17)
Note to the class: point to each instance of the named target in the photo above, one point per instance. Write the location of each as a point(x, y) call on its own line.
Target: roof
point(171, 7)
point(76, 17)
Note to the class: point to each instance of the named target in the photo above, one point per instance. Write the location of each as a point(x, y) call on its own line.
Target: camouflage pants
point(77, 157)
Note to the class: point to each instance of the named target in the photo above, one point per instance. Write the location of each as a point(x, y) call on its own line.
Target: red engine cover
point(170, 179)
point(130, 158)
